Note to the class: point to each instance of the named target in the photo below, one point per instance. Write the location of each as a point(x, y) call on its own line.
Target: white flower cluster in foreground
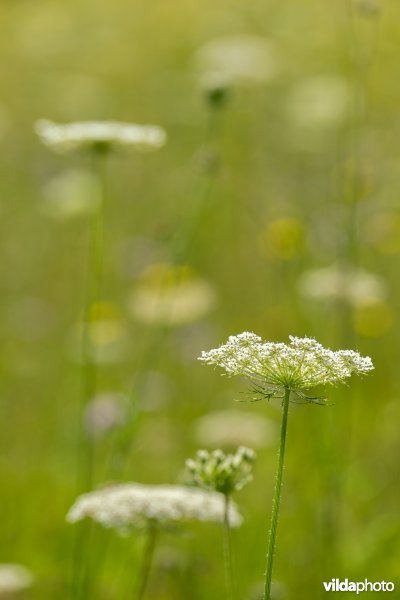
point(225, 473)
point(14, 578)
point(300, 365)
point(133, 505)
point(107, 135)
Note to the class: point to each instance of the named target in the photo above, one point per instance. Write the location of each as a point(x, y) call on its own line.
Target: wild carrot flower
point(354, 286)
point(273, 367)
point(100, 135)
point(150, 508)
point(277, 369)
point(133, 505)
point(224, 473)
point(13, 579)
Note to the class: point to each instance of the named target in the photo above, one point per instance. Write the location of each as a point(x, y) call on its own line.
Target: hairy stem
point(228, 562)
point(277, 497)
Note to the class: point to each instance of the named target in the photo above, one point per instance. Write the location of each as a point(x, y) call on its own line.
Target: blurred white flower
point(106, 411)
point(106, 135)
point(72, 194)
point(355, 286)
point(237, 59)
point(14, 578)
point(313, 110)
point(133, 505)
point(171, 295)
point(234, 427)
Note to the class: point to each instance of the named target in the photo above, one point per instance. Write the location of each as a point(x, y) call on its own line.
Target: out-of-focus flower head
point(238, 59)
point(383, 231)
point(107, 335)
point(224, 473)
point(314, 108)
point(232, 428)
point(354, 286)
point(171, 295)
point(318, 101)
point(134, 506)
point(13, 579)
point(283, 239)
point(99, 135)
point(103, 413)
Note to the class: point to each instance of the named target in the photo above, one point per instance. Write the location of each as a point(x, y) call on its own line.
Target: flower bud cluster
point(224, 473)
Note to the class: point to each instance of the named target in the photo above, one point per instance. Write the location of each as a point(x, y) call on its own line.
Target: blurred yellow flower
point(282, 238)
point(107, 335)
point(171, 295)
point(383, 232)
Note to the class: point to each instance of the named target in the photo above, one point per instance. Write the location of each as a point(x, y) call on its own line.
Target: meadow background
point(297, 170)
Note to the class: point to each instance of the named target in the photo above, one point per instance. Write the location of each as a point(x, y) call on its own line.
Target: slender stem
point(228, 562)
point(93, 295)
point(85, 457)
point(147, 560)
point(277, 497)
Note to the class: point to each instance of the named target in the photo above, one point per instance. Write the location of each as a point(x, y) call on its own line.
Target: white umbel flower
point(299, 365)
point(106, 135)
point(14, 578)
point(354, 286)
point(133, 505)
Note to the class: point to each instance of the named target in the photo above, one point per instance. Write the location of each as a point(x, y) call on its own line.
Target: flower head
point(353, 286)
point(101, 135)
point(14, 578)
point(224, 473)
point(299, 365)
point(132, 506)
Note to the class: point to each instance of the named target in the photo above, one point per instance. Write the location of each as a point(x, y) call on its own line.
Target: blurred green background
point(298, 170)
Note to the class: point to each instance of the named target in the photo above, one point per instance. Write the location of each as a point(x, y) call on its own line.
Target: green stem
point(277, 497)
point(85, 458)
point(228, 562)
point(147, 561)
point(93, 295)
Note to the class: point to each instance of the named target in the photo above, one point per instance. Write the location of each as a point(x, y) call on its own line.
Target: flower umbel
point(224, 473)
point(102, 135)
point(129, 506)
point(271, 367)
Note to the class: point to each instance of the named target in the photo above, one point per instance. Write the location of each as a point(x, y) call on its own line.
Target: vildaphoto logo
point(335, 585)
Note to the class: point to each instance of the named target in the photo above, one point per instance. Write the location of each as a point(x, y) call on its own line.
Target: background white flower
point(133, 505)
point(107, 135)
